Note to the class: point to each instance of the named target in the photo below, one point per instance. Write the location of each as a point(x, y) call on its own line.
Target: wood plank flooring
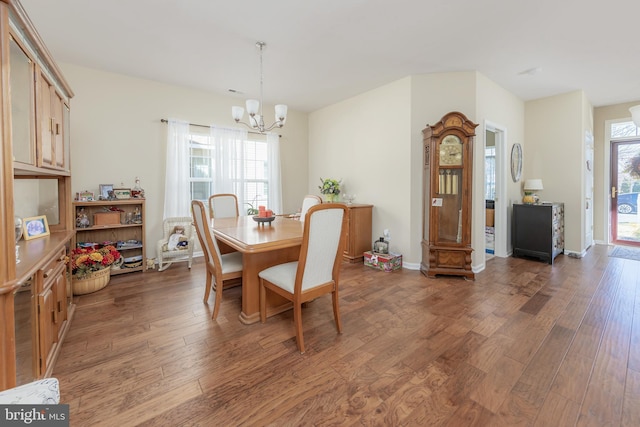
point(525, 344)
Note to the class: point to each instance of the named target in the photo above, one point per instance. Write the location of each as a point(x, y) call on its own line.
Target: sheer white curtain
point(231, 163)
point(227, 161)
point(275, 185)
point(177, 191)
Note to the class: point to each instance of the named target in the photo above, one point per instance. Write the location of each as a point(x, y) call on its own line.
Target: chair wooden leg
point(263, 302)
point(218, 297)
point(207, 288)
point(336, 310)
point(297, 318)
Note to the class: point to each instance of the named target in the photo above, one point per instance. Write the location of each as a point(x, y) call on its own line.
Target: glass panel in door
point(625, 192)
point(21, 81)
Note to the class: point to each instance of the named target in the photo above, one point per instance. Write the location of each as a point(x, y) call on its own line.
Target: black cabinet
point(538, 230)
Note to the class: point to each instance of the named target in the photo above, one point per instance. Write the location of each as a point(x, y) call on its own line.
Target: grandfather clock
point(448, 167)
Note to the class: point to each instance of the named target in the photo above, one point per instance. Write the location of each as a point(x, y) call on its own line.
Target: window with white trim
point(252, 158)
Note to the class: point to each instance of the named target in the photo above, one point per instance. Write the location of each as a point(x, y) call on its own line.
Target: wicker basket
point(92, 283)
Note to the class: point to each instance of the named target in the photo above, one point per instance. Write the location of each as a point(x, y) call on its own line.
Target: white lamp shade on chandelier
point(256, 121)
point(635, 114)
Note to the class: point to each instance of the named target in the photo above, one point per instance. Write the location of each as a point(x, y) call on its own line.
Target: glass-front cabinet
point(446, 241)
point(36, 305)
point(22, 105)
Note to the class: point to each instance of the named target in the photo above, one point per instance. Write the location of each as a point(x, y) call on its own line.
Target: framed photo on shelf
point(35, 227)
point(105, 189)
point(122, 193)
point(85, 196)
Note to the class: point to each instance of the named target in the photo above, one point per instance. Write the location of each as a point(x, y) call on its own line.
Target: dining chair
point(308, 201)
point(223, 206)
point(318, 267)
point(219, 267)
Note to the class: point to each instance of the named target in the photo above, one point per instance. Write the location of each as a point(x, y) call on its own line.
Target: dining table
point(263, 245)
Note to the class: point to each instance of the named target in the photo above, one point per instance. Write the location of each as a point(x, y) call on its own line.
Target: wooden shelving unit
point(128, 229)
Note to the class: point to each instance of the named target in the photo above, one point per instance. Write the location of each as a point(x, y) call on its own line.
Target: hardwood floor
point(526, 344)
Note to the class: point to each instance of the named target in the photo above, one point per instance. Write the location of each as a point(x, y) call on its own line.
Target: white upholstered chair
point(307, 202)
point(40, 392)
point(167, 254)
point(219, 267)
point(223, 206)
point(317, 270)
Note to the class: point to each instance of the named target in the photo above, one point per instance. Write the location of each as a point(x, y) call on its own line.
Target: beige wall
point(116, 135)
point(506, 111)
point(555, 134)
point(365, 142)
point(374, 143)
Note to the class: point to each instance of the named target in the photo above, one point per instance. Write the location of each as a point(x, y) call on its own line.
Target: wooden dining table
point(262, 246)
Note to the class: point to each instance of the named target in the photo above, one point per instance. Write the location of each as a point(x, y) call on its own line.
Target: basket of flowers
point(91, 268)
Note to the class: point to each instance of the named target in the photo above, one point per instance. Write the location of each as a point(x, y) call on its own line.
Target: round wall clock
point(516, 162)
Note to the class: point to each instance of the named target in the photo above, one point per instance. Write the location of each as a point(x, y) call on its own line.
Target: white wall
point(116, 135)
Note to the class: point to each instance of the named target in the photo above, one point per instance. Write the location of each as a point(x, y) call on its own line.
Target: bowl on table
point(263, 219)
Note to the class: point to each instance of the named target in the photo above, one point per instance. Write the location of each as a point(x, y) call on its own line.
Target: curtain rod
point(205, 126)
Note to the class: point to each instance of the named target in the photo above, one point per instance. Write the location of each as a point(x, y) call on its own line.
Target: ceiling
point(322, 52)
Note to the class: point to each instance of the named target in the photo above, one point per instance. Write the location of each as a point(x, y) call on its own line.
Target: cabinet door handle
point(613, 192)
point(54, 318)
point(50, 124)
point(57, 128)
point(48, 273)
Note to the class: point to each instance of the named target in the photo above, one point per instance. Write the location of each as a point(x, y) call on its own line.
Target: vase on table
point(93, 282)
point(330, 198)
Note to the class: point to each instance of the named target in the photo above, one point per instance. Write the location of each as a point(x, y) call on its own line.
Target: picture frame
point(85, 196)
point(35, 227)
point(105, 189)
point(122, 193)
point(516, 162)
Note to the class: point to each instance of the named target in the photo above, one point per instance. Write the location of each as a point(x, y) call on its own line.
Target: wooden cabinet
point(125, 230)
point(448, 167)
point(51, 286)
point(358, 236)
point(52, 130)
point(538, 230)
point(30, 336)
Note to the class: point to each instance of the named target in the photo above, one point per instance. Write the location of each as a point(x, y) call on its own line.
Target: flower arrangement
point(330, 186)
point(85, 261)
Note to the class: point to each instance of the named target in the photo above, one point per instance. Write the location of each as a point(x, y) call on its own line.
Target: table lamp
point(530, 187)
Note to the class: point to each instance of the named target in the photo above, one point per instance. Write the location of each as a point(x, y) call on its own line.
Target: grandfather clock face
point(450, 151)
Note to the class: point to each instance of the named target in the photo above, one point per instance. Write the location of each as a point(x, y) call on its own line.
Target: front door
point(625, 189)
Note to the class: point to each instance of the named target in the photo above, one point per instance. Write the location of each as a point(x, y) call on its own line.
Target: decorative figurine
point(137, 192)
point(82, 220)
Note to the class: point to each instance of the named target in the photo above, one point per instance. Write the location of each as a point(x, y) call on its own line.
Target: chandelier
point(256, 121)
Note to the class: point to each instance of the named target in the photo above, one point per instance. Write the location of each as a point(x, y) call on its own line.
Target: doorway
point(625, 192)
point(495, 189)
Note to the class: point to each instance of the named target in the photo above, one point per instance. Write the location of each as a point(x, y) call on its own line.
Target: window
point(490, 172)
point(203, 161)
point(249, 160)
point(624, 130)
